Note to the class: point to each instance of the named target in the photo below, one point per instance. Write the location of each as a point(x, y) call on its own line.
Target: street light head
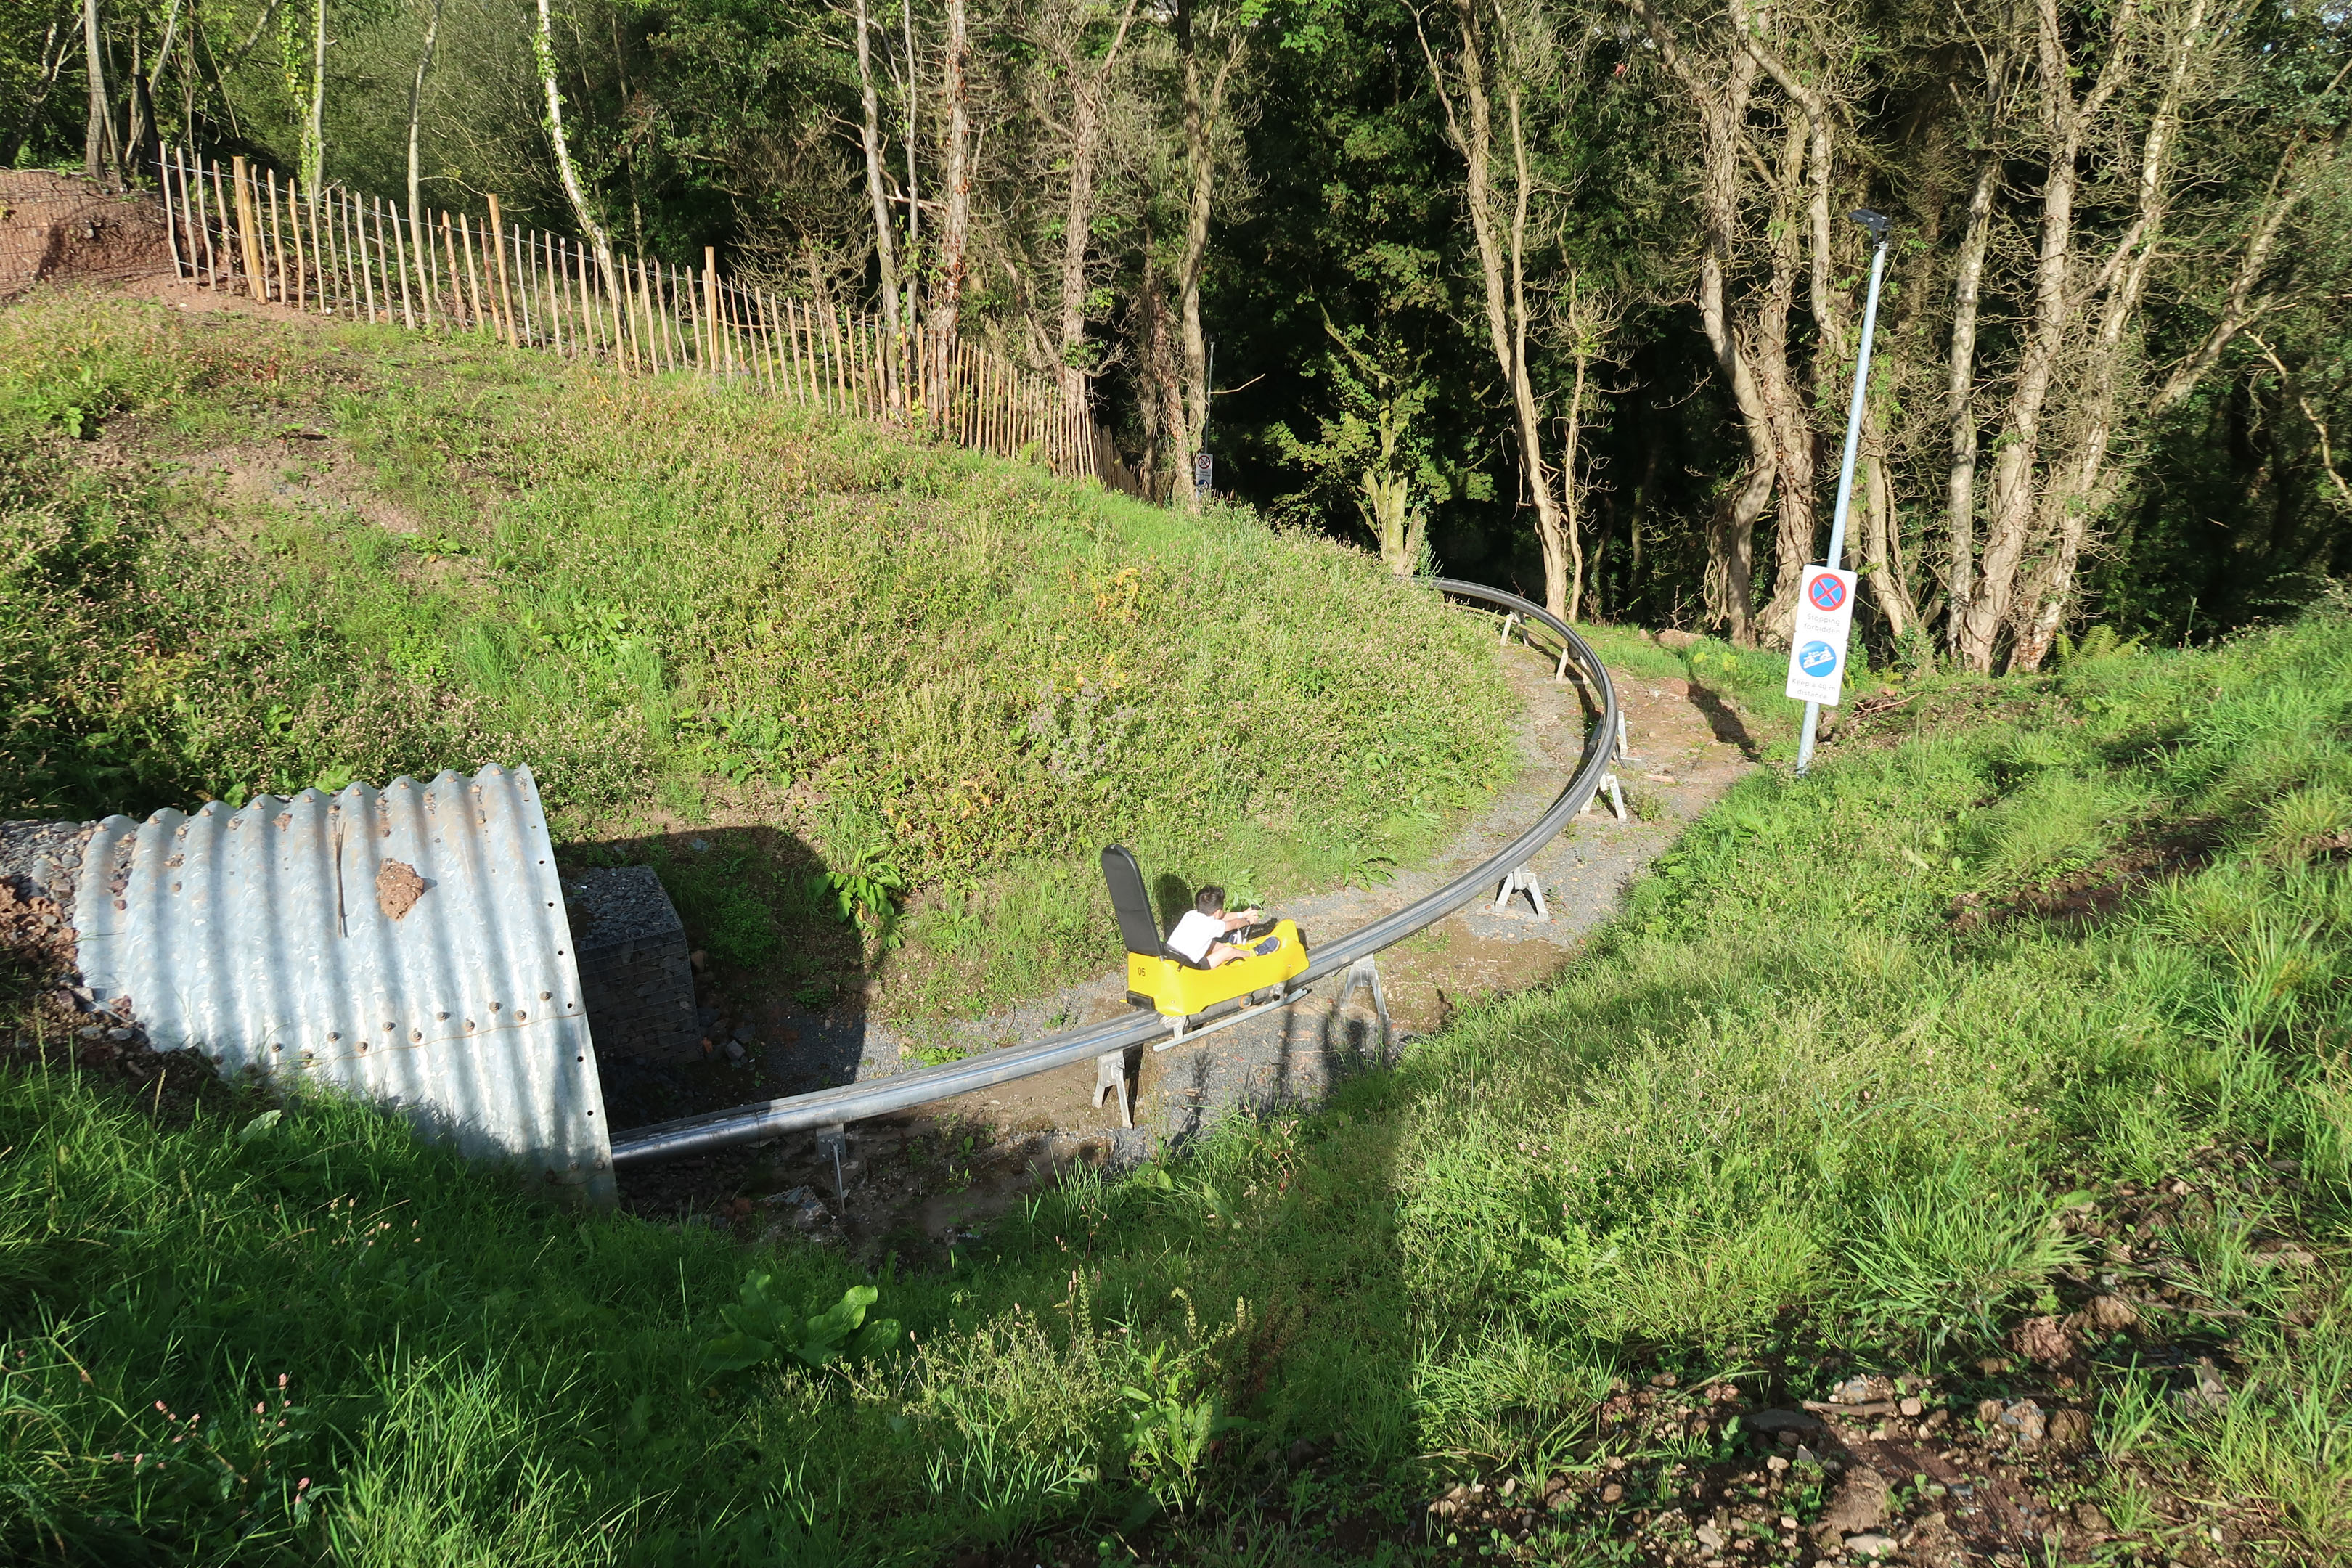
point(1876, 222)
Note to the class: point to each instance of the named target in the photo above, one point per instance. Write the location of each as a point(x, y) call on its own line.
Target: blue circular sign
point(1827, 593)
point(1817, 658)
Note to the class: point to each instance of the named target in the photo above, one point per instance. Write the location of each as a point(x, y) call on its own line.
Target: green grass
point(686, 606)
point(1788, 1116)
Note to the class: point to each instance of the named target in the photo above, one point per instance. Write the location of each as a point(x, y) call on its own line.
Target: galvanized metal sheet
point(259, 938)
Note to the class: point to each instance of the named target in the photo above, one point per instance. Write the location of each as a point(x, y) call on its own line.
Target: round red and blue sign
point(1827, 593)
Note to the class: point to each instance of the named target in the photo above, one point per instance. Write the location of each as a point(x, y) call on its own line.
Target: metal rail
point(880, 1097)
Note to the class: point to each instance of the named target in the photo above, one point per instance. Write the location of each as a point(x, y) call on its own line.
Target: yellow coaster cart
point(1178, 989)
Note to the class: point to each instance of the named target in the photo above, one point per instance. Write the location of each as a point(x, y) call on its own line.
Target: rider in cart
point(1199, 935)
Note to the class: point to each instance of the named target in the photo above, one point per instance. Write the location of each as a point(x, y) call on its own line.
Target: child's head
point(1209, 901)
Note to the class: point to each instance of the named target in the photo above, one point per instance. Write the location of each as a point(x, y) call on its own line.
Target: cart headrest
point(1125, 877)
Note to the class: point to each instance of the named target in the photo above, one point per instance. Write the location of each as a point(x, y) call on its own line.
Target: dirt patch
point(305, 470)
point(2091, 895)
point(193, 294)
point(59, 228)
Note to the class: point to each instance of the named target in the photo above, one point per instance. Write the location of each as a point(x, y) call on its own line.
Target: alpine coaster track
point(834, 1107)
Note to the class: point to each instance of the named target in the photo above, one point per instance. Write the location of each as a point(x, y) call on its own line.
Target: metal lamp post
point(1878, 225)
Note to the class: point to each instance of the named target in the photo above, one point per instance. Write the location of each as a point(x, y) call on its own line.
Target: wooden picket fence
point(236, 228)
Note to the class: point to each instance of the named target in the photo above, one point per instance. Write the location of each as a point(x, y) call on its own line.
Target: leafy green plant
point(1169, 1425)
point(1364, 863)
point(740, 744)
point(869, 884)
point(762, 1329)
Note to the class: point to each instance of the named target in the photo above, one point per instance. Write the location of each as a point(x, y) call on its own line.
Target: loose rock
point(2044, 1341)
point(2024, 1423)
point(2111, 1314)
point(1859, 1503)
point(1869, 1544)
point(1862, 1389)
point(2069, 1431)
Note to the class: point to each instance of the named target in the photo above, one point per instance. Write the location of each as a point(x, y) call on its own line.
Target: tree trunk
point(2010, 509)
point(2078, 491)
point(1788, 408)
point(955, 239)
point(1960, 484)
point(543, 47)
point(100, 149)
point(1720, 94)
point(1201, 108)
point(314, 131)
point(886, 243)
point(1385, 499)
point(1162, 400)
point(1087, 88)
point(914, 188)
point(1502, 256)
point(420, 239)
point(145, 147)
point(1799, 520)
point(1571, 491)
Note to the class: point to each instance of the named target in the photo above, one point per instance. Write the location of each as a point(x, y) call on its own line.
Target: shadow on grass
point(778, 971)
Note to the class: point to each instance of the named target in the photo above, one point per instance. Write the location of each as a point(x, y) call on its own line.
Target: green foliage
point(719, 905)
point(1947, 1252)
point(1168, 1430)
point(868, 885)
point(761, 1329)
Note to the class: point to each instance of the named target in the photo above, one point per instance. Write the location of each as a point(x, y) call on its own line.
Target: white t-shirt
point(1194, 934)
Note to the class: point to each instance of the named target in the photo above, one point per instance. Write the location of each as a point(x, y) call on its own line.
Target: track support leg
point(1616, 796)
point(1366, 973)
point(1110, 1076)
point(1523, 881)
point(1511, 619)
point(830, 1142)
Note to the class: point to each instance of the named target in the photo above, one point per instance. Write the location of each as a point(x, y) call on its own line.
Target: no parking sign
point(1817, 648)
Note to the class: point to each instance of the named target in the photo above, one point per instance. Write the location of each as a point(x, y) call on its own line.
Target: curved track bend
point(880, 1097)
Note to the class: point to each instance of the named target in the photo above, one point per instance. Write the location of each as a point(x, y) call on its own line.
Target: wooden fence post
point(277, 239)
point(714, 359)
point(294, 222)
point(498, 247)
point(366, 254)
point(247, 254)
point(216, 259)
point(399, 259)
point(163, 179)
point(310, 268)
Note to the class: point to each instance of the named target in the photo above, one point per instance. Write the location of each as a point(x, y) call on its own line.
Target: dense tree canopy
point(1555, 292)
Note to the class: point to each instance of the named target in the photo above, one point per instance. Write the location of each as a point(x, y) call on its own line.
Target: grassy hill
point(1999, 1066)
point(246, 555)
point(2001, 1062)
